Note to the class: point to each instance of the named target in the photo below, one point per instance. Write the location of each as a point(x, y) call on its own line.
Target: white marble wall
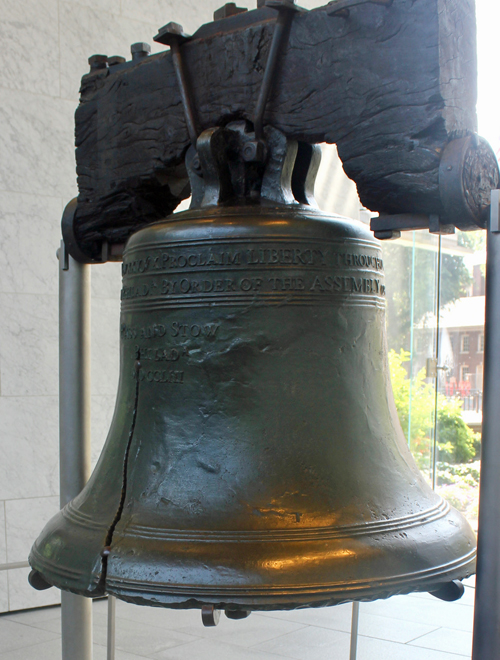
point(45, 46)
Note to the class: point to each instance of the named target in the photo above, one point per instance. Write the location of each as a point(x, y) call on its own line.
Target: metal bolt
point(140, 50)
point(106, 551)
point(173, 35)
point(229, 9)
point(195, 164)
point(98, 62)
point(170, 33)
point(116, 59)
point(254, 151)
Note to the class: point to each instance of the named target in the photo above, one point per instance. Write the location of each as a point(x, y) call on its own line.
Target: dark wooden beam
point(391, 86)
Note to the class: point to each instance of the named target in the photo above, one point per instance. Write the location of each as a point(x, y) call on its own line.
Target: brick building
point(462, 329)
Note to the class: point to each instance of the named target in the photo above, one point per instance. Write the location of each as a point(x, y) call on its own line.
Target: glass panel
point(411, 265)
point(461, 379)
point(437, 358)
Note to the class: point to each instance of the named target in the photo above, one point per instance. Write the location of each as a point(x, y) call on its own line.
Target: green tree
point(457, 443)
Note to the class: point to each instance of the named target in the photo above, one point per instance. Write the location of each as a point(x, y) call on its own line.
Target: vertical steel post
point(74, 428)
point(111, 628)
point(353, 653)
point(486, 645)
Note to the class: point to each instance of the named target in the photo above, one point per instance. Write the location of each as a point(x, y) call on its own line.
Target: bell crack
point(109, 536)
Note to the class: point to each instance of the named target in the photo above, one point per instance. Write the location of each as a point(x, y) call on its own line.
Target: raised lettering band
point(281, 271)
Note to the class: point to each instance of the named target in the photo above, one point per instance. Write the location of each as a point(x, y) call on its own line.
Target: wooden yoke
point(390, 85)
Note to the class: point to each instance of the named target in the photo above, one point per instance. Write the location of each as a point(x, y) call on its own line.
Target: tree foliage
point(398, 264)
point(457, 443)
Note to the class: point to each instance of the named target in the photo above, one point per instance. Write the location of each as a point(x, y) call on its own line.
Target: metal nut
point(229, 9)
point(196, 164)
point(116, 59)
point(98, 62)
point(140, 50)
point(254, 151)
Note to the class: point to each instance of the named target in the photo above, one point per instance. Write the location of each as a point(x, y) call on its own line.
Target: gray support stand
point(486, 644)
point(111, 628)
point(354, 631)
point(74, 428)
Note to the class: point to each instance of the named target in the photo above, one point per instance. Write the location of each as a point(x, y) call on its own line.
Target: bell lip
point(288, 599)
point(68, 579)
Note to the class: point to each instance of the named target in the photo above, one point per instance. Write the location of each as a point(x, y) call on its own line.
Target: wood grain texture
point(390, 86)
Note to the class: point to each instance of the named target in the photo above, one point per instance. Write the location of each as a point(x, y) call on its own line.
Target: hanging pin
point(286, 10)
point(255, 150)
point(173, 35)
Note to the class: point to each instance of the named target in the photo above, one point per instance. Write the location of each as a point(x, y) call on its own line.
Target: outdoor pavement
point(415, 627)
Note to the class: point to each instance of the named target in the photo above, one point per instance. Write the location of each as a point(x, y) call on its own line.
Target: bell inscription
point(275, 273)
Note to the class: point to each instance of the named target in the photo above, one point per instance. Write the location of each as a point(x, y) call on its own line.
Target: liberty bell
point(255, 460)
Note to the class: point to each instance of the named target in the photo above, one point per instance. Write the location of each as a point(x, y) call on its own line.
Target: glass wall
point(435, 326)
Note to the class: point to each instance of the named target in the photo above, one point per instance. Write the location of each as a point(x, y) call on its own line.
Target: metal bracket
point(387, 227)
point(72, 246)
point(432, 367)
point(304, 174)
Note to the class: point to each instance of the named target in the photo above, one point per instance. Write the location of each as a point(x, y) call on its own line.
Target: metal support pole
point(486, 644)
point(111, 627)
point(354, 631)
point(74, 428)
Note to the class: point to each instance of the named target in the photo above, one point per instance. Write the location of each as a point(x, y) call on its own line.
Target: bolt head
point(98, 62)
point(116, 59)
point(229, 9)
point(196, 164)
point(254, 151)
point(140, 50)
point(170, 33)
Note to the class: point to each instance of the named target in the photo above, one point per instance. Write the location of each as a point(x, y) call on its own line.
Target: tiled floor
point(416, 627)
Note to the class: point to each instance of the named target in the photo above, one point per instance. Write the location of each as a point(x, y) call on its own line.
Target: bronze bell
point(255, 460)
